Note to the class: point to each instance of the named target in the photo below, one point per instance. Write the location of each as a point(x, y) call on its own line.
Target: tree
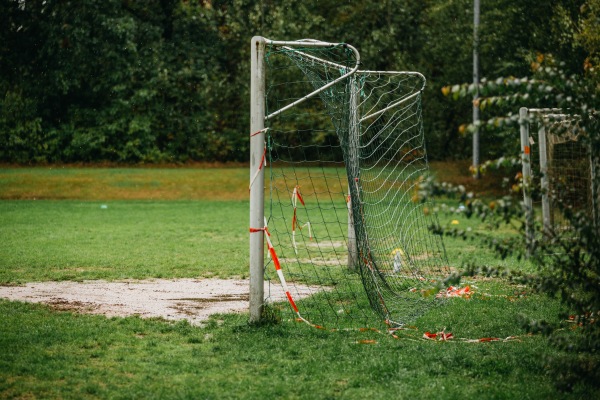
point(568, 260)
point(167, 80)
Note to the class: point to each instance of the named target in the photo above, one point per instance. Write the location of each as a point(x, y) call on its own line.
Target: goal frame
point(257, 149)
point(545, 117)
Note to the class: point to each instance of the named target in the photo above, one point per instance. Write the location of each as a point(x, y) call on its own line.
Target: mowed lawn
point(116, 239)
point(121, 223)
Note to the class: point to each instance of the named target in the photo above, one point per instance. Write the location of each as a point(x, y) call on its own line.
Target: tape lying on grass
point(393, 332)
point(415, 335)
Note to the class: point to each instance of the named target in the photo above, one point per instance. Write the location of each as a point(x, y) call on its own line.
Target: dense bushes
point(167, 80)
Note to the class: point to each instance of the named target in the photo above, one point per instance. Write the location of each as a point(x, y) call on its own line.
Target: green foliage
point(556, 75)
point(567, 267)
point(588, 36)
point(572, 274)
point(568, 260)
point(167, 80)
point(21, 130)
point(111, 80)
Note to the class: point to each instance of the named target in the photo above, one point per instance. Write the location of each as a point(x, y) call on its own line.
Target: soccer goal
point(337, 154)
point(558, 157)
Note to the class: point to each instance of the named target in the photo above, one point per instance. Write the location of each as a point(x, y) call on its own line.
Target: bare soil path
point(191, 299)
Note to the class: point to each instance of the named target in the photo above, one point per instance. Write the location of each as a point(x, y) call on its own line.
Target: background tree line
point(168, 80)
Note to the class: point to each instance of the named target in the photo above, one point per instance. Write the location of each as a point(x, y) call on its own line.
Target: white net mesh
point(357, 149)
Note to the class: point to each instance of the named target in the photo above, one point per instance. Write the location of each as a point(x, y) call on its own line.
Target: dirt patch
point(191, 299)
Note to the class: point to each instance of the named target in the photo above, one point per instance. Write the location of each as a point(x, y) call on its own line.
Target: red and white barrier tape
point(259, 132)
point(442, 336)
point(455, 292)
point(438, 336)
point(263, 161)
point(295, 197)
point(277, 265)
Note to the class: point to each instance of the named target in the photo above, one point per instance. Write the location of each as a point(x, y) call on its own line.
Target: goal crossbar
point(353, 71)
point(313, 43)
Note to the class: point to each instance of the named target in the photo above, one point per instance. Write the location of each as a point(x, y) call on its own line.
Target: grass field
point(111, 223)
point(116, 239)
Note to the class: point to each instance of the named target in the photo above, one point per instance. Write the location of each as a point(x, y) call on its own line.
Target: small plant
point(271, 315)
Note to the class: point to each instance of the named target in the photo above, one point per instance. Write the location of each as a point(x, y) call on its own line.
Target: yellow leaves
point(537, 63)
point(539, 58)
point(367, 341)
point(398, 250)
point(462, 129)
point(587, 64)
point(475, 171)
point(457, 91)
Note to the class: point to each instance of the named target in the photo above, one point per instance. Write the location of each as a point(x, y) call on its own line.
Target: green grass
point(46, 353)
point(62, 355)
point(74, 240)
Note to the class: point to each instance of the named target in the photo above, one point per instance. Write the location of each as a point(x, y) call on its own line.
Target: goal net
point(557, 156)
point(345, 153)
